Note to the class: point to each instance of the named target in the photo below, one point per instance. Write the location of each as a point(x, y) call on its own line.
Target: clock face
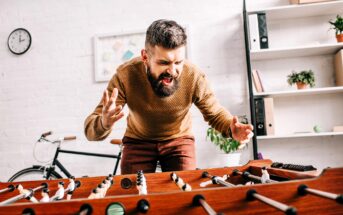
point(19, 41)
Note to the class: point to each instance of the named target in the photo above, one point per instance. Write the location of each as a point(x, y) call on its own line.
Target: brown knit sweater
point(154, 118)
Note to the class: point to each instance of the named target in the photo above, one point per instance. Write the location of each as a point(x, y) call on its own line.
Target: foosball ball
point(259, 187)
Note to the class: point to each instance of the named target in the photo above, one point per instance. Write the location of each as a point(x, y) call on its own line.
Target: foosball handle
point(85, 209)
point(143, 206)
point(28, 211)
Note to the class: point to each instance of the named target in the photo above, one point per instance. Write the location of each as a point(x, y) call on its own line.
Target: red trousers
point(173, 155)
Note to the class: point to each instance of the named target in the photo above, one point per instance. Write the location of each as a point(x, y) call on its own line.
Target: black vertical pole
point(251, 95)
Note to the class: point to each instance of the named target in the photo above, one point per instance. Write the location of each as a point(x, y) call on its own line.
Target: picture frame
point(113, 49)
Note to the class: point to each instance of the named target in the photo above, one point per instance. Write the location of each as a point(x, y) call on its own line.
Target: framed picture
point(112, 50)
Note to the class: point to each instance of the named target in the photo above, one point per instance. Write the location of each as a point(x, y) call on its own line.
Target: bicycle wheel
point(33, 173)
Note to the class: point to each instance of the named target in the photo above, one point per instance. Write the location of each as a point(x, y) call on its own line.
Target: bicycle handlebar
point(46, 134)
point(69, 138)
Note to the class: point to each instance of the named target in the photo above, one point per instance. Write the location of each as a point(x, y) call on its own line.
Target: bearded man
point(159, 89)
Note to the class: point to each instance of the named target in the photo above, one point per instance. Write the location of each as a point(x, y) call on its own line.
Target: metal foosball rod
point(10, 188)
point(216, 180)
point(199, 200)
point(303, 190)
point(289, 210)
point(28, 194)
point(247, 174)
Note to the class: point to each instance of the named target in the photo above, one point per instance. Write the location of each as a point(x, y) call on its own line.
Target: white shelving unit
point(309, 134)
point(302, 10)
point(322, 106)
point(292, 52)
point(305, 92)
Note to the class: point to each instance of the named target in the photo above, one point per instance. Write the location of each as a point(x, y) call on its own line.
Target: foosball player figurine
point(28, 193)
point(71, 187)
point(93, 194)
point(180, 183)
point(45, 195)
point(59, 193)
point(265, 178)
point(141, 183)
point(108, 183)
point(103, 186)
point(110, 176)
point(205, 183)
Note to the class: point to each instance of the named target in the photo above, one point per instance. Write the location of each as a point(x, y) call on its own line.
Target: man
point(159, 89)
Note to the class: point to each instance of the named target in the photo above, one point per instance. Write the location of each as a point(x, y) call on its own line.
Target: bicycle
point(39, 172)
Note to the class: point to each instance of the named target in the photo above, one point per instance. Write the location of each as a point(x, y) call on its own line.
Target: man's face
point(164, 67)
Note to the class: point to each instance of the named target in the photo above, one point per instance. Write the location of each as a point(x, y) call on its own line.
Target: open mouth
point(167, 81)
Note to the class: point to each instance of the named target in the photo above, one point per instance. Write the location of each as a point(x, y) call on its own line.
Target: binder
point(264, 112)
point(263, 31)
point(269, 115)
point(260, 117)
point(254, 32)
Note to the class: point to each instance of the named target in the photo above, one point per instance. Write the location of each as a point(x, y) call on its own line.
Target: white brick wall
point(52, 87)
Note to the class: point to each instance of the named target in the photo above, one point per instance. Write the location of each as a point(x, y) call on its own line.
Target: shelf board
point(301, 10)
point(312, 91)
point(310, 134)
point(300, 51)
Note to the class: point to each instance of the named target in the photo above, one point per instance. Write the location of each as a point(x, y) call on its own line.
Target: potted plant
point(302, 79)
point(337, 25)
point(227, 144)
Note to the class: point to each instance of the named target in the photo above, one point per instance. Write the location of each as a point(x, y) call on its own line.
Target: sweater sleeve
point(216, 115)
point(94, 129)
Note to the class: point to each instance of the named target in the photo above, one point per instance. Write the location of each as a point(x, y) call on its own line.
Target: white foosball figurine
point(249, 183)
point(28, 194)
point(93, 194)
point(103, 188)
point(59, 193)
point(141, 183)
point(180, 183)
point(45, 195)
point(108, 183)
point(205, 183)
point(71, 187)
point(265, 178)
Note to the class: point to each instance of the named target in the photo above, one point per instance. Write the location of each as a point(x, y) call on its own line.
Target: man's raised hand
point(241, 132)
point(110, 112)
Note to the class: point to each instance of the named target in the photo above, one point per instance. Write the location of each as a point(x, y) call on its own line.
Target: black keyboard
point(295, 167)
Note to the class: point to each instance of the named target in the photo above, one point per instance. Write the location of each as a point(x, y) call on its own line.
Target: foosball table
point(255, 188)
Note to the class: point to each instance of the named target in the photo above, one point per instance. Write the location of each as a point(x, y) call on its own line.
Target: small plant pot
point(301, 85)
point(339, 37)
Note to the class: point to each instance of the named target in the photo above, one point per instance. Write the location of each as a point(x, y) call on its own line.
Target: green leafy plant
point(305, 76)
point(337, 25)
point(225, 144)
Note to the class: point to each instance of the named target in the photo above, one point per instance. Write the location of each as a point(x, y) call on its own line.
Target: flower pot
point(339, 37)
point(301, 85)
point(231, 159)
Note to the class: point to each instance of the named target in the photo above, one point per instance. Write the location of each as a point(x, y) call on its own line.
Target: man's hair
point(165, 33)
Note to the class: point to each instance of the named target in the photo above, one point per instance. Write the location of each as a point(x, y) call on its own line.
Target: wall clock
point(19, 41)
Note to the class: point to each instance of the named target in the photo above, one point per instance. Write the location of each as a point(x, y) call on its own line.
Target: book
point(257, 81)
point(306, 1)
point(339, 68)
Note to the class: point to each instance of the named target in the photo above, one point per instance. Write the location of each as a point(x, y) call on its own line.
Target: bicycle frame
point(57, 163)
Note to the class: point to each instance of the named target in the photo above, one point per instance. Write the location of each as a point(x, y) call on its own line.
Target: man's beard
point(158, 87)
